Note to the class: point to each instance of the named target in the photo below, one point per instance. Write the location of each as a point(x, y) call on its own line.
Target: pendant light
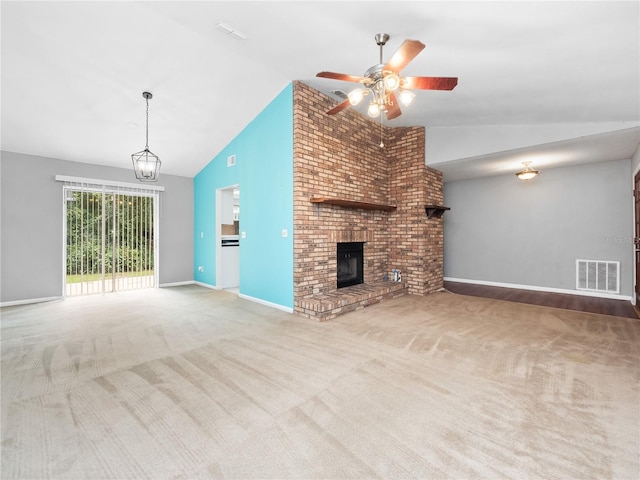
point(146, 164)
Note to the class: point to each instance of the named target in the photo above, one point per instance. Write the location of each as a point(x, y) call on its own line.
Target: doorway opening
point(110, 240)
point(228, 238)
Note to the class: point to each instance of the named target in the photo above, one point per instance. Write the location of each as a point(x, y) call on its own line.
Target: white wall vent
point(598, 276)
point(231, 160)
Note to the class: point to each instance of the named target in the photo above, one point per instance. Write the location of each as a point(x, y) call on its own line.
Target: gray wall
point(635, 161)
point(31, 224)
point(501, 229)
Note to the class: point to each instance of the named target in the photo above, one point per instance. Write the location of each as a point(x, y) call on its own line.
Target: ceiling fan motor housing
point(374, 73)
point(381, 38)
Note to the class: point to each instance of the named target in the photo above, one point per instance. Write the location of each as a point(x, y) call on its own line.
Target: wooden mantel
point(343, 202)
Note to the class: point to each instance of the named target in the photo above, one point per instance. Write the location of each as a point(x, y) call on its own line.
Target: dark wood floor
point(605, 306)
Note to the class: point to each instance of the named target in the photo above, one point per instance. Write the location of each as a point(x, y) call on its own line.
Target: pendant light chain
point(147, 132)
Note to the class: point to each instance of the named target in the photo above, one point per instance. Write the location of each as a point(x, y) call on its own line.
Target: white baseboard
point(176, 284)
point(541, 289)
point(268, 304)
point(206, 285)
point(29, 301)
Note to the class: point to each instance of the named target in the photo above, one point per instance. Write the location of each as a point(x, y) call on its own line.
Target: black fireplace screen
point(350, 261)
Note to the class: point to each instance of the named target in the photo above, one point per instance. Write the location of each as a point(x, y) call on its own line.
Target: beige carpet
point(188, 383)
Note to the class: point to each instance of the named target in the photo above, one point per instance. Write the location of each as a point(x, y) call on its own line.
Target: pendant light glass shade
point(356, 96)
point(405, 97)
point(146, 164)
point(374, 110)
point(391, 81)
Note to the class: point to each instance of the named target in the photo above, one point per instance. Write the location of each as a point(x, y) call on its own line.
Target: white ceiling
point(532, 75)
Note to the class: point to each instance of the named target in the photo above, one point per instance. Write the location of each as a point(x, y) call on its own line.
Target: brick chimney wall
point(340, 156)
point(418, 245)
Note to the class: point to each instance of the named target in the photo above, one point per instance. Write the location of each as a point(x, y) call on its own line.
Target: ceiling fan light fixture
point(384, 83)
point(391, 81)
point(374, 110)
point(405, 97)
point(356, 96)
point(527, 173)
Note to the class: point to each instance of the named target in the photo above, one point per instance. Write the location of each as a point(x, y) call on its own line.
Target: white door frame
point(218, 225)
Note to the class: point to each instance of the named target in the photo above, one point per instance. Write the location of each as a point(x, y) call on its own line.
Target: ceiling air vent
point(598, 276)
point(340, 93)
point(231, 31)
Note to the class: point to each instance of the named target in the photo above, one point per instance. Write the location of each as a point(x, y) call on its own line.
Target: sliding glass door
point(110, 241)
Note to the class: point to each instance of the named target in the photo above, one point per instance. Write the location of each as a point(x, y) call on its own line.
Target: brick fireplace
point(348, 189)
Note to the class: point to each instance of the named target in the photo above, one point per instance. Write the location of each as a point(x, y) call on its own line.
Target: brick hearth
point(339, 157)
point(330, 305)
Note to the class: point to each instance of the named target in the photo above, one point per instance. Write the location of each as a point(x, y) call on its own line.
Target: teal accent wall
point(264, 173)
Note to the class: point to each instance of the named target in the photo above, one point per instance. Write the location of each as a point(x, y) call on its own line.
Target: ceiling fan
point(384, 83)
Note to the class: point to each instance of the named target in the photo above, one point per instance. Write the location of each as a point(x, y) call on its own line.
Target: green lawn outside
point(93, 277)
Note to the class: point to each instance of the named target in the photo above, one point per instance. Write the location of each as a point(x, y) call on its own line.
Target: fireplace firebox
point(350, 261)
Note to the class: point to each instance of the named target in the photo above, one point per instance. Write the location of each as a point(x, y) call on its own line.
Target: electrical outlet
point(201, 268)
point(285, 233)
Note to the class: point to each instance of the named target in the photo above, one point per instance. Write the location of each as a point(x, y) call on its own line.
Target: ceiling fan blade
point(393, 110)
point(430, 83)
point(407, 52)
point(340, 76)
point(338, 108)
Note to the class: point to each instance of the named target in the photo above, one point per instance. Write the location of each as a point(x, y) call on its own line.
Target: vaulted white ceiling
point(534, 77)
